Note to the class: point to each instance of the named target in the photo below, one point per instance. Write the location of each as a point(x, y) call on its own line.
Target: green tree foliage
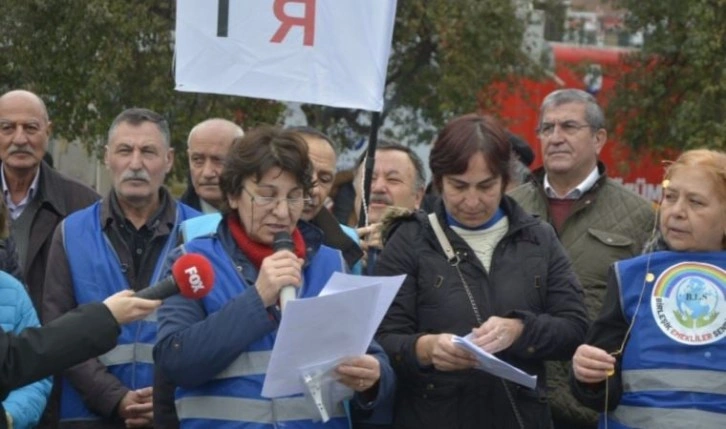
point(674, 93)
point(90, 59)
point(443, 53)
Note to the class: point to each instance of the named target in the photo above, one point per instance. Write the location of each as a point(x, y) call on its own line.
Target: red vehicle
point(574, 65)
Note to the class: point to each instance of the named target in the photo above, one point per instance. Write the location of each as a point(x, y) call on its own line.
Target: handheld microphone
point(192, 275)
point(283, 241)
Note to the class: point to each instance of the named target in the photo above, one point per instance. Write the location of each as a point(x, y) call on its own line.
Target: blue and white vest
point(233, 399)
point(674, 363)
point(96, 274)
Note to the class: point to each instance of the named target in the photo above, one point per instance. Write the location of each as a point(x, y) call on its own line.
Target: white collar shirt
point(575, 193)
point(15, 210)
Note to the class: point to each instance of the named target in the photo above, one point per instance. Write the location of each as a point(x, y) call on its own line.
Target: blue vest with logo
point(673, 368)
point(233, 399)
point(96, 274)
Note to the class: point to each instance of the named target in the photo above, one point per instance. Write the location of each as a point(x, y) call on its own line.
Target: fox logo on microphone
point(195, 280)
point(191, 276)
point(194, 275)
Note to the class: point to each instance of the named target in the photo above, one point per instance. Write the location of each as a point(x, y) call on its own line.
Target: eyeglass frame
point(569, 128)
point(267, 202)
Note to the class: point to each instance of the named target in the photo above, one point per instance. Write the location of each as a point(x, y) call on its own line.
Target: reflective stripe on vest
point(251, 410)
point(249, 363)
point(682, 380)
point(128, 353)
point(152, 317)
point(666, 418)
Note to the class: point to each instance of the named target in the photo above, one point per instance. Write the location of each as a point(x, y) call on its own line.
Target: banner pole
point(370, 161)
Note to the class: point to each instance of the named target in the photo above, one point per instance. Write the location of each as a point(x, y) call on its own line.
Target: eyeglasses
point(568, 128)
point(293, 203)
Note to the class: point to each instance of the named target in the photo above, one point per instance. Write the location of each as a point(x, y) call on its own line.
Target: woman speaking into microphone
point(216, 350)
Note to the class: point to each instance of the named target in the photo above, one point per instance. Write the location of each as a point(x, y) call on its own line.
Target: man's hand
point(370, 236)
point(137, 408)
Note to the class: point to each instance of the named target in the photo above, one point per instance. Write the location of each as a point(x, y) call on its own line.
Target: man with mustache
point(118, 243)
point(207, 146)
point(37, 196)
point(398, 180)
point(597, 219)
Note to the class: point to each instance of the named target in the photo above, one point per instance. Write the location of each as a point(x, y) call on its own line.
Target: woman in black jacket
point(506, 281)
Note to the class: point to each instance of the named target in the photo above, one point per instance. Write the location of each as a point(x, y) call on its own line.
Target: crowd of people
point(618, 308)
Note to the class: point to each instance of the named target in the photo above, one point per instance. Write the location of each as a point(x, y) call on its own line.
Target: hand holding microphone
point(125, 307)
point(192, 276)
point(280, 273)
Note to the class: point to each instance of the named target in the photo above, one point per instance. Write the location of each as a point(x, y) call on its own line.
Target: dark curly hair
point(260, 150)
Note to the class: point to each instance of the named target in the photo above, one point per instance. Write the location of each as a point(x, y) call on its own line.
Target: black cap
point(522, 149)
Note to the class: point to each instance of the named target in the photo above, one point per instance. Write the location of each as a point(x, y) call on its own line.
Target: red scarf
point(257, 252)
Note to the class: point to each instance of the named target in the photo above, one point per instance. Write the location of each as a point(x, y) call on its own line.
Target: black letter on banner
point(223, 18)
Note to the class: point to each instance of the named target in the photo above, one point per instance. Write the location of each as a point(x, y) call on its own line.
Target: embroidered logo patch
point(688, 303)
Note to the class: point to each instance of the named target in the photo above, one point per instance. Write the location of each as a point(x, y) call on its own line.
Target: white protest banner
point(329, 52)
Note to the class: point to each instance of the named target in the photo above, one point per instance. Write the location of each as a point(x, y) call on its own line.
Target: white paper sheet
point(495, 366)
point(323, 330)
point(340, 282)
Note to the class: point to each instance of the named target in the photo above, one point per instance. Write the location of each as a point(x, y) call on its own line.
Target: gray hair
point(136, 116)
point(237, 130)
point(594, 115)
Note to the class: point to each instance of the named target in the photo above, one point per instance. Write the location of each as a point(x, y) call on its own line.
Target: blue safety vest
point(673, 366)
point(96, 274)
point(233, 399)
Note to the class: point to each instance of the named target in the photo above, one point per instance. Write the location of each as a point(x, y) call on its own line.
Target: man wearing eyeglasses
point(597, 219)
point(119, 243)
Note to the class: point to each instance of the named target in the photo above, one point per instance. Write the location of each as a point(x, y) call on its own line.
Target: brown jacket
point(60, 196)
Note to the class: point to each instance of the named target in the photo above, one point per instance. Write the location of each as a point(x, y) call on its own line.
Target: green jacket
point(607, 224)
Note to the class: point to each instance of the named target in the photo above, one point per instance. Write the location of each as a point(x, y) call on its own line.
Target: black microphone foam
point(282, 241)
point(162, 290)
